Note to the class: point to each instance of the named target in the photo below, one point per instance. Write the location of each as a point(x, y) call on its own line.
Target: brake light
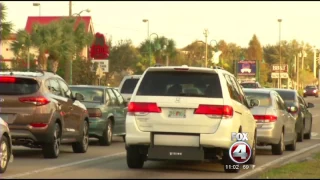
point(7, 79)
point(215, 110)
point(38, 125)
point(265, 118)
point(38, 101)
point(94, 112)
point(134, 107)
point(181, 69)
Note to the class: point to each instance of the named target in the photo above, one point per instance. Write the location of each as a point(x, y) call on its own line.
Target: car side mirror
point(79, 97)
point(292, 109)
point(310, 105)
point(254, 102)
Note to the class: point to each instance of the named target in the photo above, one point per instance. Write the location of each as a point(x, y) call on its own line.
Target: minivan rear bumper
point(220, 139)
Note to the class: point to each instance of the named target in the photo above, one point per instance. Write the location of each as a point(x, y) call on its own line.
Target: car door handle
point(238, 112)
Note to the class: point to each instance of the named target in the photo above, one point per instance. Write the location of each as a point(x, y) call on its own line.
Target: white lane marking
point(262, 168)
point(314, 134)
point(62, 166)
point(317, 138)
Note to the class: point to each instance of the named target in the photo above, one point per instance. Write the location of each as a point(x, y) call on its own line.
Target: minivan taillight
point(220, 111)
point(143, 107)
point(38, 101)
point(7, 79)
point(265, 118)
point(94, 112)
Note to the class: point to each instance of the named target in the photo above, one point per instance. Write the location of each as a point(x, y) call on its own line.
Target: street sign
point(103, 64)
point(284, 68)
point(282, 75)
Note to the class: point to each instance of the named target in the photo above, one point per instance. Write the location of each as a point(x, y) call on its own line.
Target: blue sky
point(185, 21)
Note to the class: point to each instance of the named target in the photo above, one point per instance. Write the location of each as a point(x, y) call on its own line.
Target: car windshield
point(249, 85)
point(264, 98)
point(89, 94)
point(287, 96)
point(310, 87)
point(129, 85)
point(179, 83)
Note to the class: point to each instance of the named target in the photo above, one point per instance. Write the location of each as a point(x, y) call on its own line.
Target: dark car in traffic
point(250, 85)
point(311, 91)
point(107, 111)
point(300, 111)
point(42, 112)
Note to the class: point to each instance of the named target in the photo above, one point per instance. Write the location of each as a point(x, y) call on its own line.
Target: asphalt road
point(110, 162)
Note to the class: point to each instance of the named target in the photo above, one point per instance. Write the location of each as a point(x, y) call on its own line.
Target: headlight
point(304, 91)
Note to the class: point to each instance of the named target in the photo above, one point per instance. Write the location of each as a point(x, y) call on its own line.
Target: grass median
point(299, 170)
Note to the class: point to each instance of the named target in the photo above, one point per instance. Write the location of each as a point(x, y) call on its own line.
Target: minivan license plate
point(177, 113)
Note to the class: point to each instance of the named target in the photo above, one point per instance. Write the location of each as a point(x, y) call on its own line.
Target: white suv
point(164, 122)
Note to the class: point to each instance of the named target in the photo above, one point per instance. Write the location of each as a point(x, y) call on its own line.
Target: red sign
point(99, 49)
point(240, 152)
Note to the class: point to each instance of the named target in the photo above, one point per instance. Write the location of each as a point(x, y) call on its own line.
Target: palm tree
point(5, 27)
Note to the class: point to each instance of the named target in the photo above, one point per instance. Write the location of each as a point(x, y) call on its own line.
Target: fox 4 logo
point(239, 136)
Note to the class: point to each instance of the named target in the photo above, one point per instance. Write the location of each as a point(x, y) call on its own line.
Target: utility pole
point(70, 8)
point(279, 80)
point(314, 62)
point(206, 36)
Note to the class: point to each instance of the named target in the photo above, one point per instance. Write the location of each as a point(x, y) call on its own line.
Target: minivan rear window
point(128, 86)
point(179, 83)
point(17, 86)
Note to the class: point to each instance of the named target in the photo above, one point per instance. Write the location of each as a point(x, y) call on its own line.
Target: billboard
point(246, 68)
point(284, 68)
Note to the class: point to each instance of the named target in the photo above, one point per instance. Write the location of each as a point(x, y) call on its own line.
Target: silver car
point(5, 146)
point(275, 125)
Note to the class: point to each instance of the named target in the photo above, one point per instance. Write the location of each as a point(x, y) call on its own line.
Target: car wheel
point(227, 162)
point(300, 135)
point(308, 135)
point(106, 138)
point(5, 153)
point(252, 159)
point(135, 159)
point(52, 149)
point(277, 149)
point(292, 147)
point(82, 146)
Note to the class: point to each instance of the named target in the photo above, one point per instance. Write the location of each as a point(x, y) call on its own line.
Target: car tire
point(252, 159)
point(52, 148)
point(300, 135)
point(135, 159)
point(106, 139)
point(124, 138)
point(82, 146)
point(277, 149)
point(292, 147)
point(227, 161)
point(308, 135)
point(5, 154)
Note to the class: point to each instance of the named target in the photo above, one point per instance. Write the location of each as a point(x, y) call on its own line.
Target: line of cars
point(189, 113)
point(168, 113)
point(39, 110)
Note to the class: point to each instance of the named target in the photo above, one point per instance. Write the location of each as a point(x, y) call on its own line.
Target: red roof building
point(43, 20)
point(48, 19)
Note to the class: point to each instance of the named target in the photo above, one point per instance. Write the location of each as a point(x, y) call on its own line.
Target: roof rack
point(217, 67)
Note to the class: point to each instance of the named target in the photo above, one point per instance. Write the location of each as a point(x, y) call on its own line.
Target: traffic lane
point(27, 160)
point(117, 168)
